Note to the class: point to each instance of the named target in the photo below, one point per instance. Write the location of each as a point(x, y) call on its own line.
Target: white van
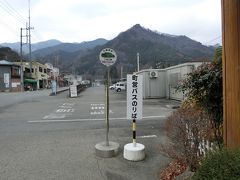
point(120, 86)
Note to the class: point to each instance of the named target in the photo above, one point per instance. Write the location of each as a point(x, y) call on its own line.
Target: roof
point(172, 67)
point(7, 63)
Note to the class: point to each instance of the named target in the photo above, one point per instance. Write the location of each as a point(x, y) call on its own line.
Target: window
point(40, 69)
point(27, 70)
point(15, 71)
point(45, 70)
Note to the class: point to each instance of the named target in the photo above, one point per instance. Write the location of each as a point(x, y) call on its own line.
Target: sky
point(85, 20)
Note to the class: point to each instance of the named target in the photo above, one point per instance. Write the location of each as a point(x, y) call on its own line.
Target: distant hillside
point(153, 48)
point(7, 53)
point(68, 47)
point(156, 49)
point(35, 46)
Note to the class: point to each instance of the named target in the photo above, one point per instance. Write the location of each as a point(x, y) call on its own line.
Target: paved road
point(53, 137)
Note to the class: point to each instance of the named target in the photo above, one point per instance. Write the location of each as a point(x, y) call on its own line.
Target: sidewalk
point(59, 90)
point(11, 98)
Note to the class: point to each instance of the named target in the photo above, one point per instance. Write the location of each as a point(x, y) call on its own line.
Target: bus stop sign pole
point(107, 148)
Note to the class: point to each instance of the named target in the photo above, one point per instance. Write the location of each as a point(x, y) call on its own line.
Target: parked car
point(112, 87)
point(120, 86)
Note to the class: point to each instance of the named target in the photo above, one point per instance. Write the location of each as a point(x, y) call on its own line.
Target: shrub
point(221, 164)
point(186, 129)
point(204, 87)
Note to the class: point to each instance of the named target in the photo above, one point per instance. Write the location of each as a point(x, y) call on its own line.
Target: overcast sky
point(84, 20)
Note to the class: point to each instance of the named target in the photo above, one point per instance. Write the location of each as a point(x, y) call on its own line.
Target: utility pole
point(21, 59)
point(121, 72)
point(137, 62)
point(21, 54)
point(29, 35)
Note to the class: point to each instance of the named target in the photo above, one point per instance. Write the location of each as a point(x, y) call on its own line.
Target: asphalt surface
point(53, 137)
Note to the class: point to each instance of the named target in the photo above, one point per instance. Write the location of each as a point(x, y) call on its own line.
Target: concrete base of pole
point(106, 151)
point(134, 153)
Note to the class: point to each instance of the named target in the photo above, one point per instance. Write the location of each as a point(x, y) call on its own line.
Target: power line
point(13, 30)
point(12, 15)
point(216, 38)
point(12, 11)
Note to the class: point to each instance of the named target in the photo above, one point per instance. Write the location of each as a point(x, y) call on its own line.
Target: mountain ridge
point(153, 48)
point(35, 46)
point(68, 47)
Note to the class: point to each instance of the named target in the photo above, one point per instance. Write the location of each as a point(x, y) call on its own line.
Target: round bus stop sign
point(108, 56)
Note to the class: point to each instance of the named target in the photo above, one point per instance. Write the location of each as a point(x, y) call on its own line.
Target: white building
point(73, 79)
point(162, 83)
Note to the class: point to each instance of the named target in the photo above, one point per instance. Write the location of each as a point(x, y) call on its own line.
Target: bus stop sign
point(108, 57)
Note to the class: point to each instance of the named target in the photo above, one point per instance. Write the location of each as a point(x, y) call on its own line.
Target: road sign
point(54, 87)
point(73, 91)
point(6, 79)
point(108, 56)
point(134, 96)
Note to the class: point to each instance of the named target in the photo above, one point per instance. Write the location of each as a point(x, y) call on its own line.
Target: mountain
point(153, 47)
point(35, 46)
point(68, 47)
point(7, 53)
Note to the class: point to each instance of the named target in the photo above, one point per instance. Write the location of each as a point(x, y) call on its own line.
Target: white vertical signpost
point(107, 148)
point(134, 151)
point(73, 90)
point(6, 79)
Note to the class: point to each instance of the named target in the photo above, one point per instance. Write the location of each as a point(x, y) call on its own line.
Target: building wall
point(153, 87)
point(16, 85)
point(174, 75)
point(4, 70)
point(41, 77)
point(165, 84)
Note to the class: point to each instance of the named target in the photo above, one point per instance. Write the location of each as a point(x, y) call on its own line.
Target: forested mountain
point(7, 53)
point(68, 47)
point(35, 46)
point(153, 47)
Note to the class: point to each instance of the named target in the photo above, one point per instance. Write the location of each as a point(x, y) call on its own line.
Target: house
point(35, 75)
point(10, 77)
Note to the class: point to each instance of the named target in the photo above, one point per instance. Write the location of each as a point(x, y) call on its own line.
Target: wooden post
point(231, 72)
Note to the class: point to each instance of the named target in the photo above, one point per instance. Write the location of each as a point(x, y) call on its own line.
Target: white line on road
point(148, 136)
point(54, 116)
point(80, 120)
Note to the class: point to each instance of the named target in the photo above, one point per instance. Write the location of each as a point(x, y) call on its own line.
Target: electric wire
point(13, 12)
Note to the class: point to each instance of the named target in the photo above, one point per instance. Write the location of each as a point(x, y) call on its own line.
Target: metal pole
point(134, 132)
point(107, 113)
point(137, 62)
point(121, 72)
point(21, 59)
point(29, 36)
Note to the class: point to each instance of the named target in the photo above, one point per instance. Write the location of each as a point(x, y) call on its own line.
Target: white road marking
point(54, 116)
point(97, 108)
point(148, 136)
point(68, 104)
point(80, 120)
point(66, 107)
point(64, 110)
